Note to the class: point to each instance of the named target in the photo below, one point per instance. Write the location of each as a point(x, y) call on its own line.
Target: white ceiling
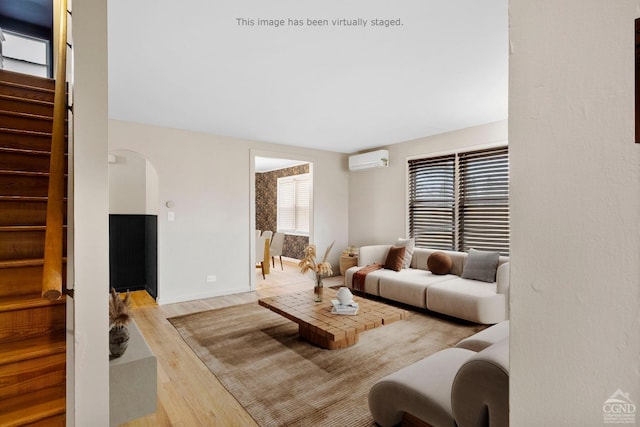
point(189, 65)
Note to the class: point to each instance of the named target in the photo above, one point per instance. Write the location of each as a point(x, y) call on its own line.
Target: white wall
point(133, 184)
point(90, 199)
point(152, 190)
point(575, 209)
point(378, 197)
point(128, 184)
point(209, 179)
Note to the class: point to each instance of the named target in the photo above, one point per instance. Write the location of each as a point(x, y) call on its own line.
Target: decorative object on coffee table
point(344, 303)
point(344, 295)
point(308, 263)
point(118, 320)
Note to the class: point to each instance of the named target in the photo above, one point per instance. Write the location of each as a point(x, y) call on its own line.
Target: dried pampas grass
point(119, 309)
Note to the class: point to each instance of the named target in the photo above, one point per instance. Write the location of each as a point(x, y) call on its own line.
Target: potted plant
point(323, 268)
point(118, 319)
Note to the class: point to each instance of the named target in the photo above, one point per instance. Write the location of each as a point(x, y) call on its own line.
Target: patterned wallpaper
point(267, 208)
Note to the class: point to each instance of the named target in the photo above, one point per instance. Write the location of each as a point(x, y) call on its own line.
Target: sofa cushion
point(395, 258)
point(372, 254)
point(409, 286)
point(439, 263)
point(371, 281)
point(481, 265)
point(409, 245)
point(467, 299)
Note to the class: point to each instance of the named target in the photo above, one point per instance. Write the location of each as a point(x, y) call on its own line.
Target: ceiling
point(190, 65)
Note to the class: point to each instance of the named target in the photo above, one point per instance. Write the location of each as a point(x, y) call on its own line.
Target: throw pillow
point(439, 263)
point(481, 265)
point(395, 258)
point(409, 244)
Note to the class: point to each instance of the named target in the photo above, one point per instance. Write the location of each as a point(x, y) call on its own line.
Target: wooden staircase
point(32, 329)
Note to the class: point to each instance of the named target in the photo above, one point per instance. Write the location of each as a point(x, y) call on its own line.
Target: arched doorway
point(133, 223)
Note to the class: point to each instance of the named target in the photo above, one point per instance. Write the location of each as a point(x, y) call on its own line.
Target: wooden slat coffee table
point(319, 326)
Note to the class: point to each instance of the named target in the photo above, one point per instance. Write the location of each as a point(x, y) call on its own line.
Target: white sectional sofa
point(473, 300)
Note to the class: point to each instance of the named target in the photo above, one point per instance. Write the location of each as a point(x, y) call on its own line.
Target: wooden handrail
point(52, 269)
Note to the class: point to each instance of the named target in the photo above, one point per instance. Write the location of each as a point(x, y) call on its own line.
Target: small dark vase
point(118, 341)
point(317, 289)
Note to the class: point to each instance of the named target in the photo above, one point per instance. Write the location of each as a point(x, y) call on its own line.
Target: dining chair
point(258, 232)
point(260, 254)
point(275, 250)
point(267, 235)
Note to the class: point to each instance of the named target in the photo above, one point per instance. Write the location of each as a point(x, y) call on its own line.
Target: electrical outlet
point(211, 279)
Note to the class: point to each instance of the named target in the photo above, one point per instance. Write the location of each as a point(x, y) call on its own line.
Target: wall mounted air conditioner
point(372, 159)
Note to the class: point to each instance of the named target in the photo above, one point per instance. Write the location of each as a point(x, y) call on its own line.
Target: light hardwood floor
point(188, 393)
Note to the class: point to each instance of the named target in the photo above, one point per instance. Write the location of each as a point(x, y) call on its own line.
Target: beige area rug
point(281, 380)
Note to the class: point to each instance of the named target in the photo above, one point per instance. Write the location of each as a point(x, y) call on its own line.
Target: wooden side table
point(347, 262)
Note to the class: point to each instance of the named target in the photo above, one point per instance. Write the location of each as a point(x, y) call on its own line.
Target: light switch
point(171, 216)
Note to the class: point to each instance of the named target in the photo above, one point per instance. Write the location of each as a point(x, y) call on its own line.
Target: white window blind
point(302, 204)
point(293, 204)
point(286, 204)
point(461, 201)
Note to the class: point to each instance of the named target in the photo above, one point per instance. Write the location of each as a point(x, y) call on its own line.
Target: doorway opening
point(282, 203)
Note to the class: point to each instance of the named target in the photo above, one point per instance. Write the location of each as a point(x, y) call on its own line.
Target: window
point(432, 202)
point(461, 201)
point(293, 204)
point(24, 54)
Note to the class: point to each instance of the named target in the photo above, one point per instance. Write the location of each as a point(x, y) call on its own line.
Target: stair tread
point(27, 100)
point(26, 115)
point(26, 132)
point(33, 406)
point(18, 263)
point(12, 78)
point(9, 150)
point(26, 301)
point(25, 199)
point(33, 348)
point(23, 173)
point(10, 228)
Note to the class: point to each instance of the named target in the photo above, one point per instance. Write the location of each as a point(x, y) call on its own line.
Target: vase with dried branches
point(118, 319)
point(308, 263)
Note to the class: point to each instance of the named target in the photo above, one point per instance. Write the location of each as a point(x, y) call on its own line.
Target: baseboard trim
point(192, 297)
